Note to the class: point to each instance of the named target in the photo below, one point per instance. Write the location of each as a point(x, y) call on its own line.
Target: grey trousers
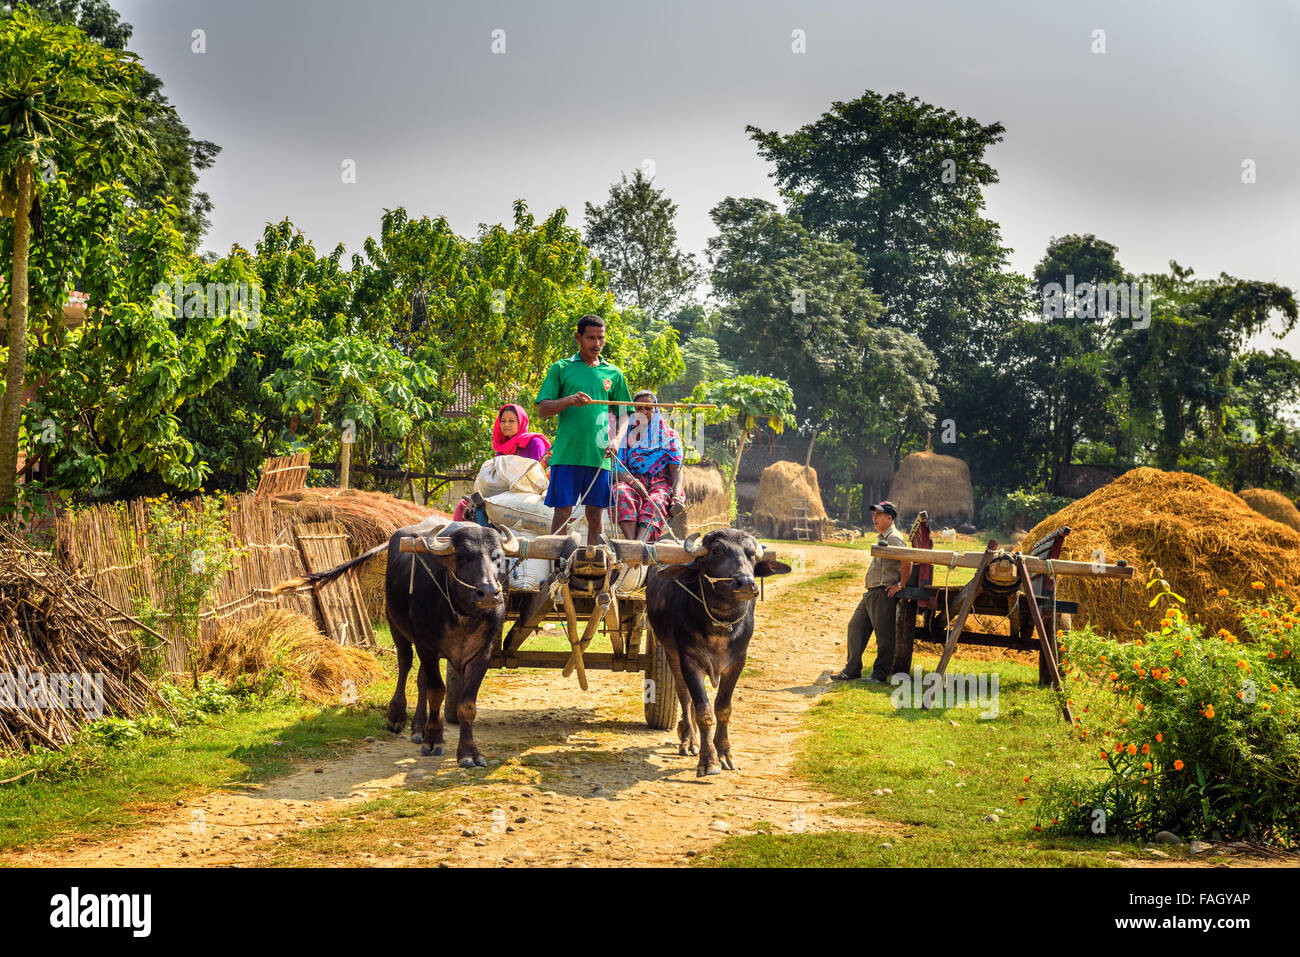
point(879, 613)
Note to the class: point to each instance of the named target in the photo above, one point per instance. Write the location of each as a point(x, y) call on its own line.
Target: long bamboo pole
point(1037, 566)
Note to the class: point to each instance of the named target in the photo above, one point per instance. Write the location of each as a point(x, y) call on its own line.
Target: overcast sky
point(1142, 145)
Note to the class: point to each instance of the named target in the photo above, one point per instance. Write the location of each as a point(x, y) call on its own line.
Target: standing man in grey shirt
point(879, 606)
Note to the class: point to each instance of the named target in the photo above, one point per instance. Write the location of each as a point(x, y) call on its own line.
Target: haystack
point(318, 666)
point(1203, 537)
point(781, 487)
point(707, 504)
point(368, 517)
point(1272, 505)
point(940, 484)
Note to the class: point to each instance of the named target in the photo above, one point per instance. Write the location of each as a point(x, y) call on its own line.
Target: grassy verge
point(857, 743)
point(91, 788)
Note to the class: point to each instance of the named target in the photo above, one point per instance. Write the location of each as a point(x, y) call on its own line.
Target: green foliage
point(1198, 734)
point(180, 157)
point(745, 399)
point(1023, 508)
point(901, 181)
point(635, 238)
point(191, 550)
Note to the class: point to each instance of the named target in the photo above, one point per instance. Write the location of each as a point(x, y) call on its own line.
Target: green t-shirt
point(584, 430)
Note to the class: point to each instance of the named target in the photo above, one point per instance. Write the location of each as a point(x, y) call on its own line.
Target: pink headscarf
point(511, 446)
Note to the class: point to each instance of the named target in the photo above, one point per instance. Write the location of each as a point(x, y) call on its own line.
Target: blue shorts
point(569, 482)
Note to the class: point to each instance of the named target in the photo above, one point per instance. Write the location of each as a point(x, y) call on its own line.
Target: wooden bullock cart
point(1011, 585)
point(587, 593)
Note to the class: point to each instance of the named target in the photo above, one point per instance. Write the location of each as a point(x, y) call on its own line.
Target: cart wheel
point(452, 700)
point(660, 689)
point(904, 637)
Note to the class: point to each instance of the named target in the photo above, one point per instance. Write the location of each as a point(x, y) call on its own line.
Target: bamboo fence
point(107, 548)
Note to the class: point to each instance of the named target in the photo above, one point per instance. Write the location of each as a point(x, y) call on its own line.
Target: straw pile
point(369, 519)
point(1272, 505)
point(707, 504)
point(781, 487)
point(940, 484)
point(55, 649)
point(1203, 538)
point(317, 666)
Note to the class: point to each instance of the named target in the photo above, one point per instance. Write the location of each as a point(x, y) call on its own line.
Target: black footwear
point(873, 680)
point(844, 676)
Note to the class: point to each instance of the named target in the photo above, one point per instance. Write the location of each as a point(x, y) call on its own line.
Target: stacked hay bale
point(781, 487)
point(369, 519)
point(940, 484)
point(286, 646)
point(1203, 538)
point(1272, 505)
point(707, 504)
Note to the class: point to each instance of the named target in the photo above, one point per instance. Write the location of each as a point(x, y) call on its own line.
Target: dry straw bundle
point(319, 667)
point(940, 484)
point(781, 487)
point(369, 519)
point(1272, 505)
point(58, 652)
point(707, 504)
point(1203, 537)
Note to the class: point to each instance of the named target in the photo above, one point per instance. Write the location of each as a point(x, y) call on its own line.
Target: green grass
point(856, 742)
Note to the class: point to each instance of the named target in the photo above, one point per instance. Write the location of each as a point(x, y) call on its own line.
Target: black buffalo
point(702, 613)
point(449, 603)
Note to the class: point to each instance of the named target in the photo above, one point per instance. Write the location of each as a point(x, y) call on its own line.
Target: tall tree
point(1181, 364)
point(181, 156)
point(1063, 356)
point(797, 306)
point(634, 235)
point(902, 180)
point(66, 104)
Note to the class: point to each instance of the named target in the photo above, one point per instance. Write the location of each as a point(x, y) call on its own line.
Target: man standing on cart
point(574, 389)
point(878, 609)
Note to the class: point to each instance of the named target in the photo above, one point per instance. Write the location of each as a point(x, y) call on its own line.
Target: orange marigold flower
point(1273, 688)
point(1020, 799)
point(1037, 828)
point(1209, 711)
point(1113, 676)
point(1147, 766)
point(1027, 777)
point(1132, 749)
point(1258, 586)
point(1146, 749)
point(1139, 642)
point(1141, 706)
point(1159, 736)
point(1178, 764)
point(1182, 681)
point(1223, 592)
point(1278, 582)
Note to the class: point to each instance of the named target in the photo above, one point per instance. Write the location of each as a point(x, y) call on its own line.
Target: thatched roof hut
point(782, 487)
point(940, 484)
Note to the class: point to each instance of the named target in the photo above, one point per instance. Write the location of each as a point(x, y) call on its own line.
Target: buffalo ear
point(770, 566)
point(677, 570)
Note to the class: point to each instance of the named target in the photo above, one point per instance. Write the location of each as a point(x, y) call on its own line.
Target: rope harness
point(721, 622)
point(460, 616)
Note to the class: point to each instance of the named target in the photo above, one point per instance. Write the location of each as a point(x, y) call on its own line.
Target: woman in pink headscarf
point(510, 436)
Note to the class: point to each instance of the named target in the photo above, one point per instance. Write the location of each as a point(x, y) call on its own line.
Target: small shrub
point(1196, 734)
